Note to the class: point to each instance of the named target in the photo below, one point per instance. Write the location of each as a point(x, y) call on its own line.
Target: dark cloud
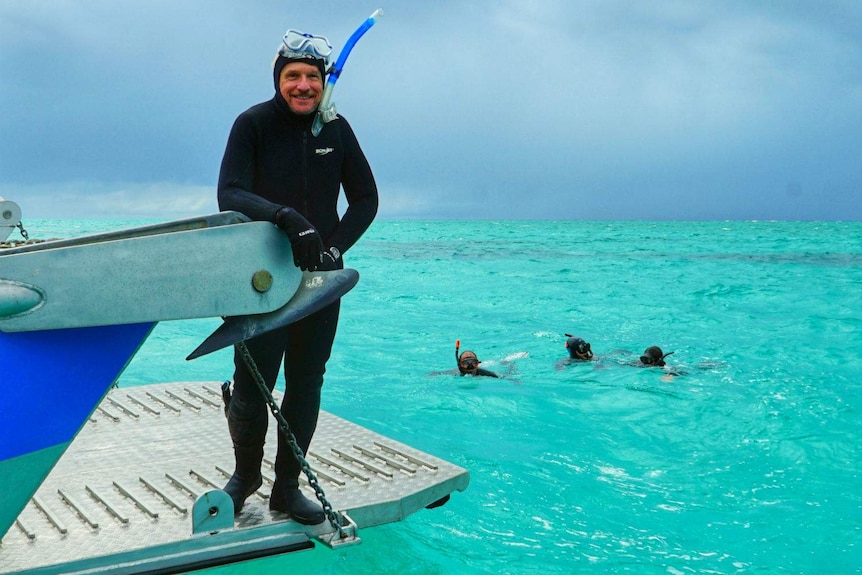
point(588, 109)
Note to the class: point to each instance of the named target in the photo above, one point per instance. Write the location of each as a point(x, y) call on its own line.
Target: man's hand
point(331, 260)
point(304, 239)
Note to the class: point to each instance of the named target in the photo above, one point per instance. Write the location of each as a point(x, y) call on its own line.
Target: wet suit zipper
point(305, 172)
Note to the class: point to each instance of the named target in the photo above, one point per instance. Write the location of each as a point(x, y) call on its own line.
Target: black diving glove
point(331, 260)
point(304, 239)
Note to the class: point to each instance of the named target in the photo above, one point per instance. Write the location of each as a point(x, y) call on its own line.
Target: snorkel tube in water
point(326, 111)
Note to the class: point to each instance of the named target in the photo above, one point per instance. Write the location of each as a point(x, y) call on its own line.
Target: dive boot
point(290, 500)
point(241, 487)
point(248, 438)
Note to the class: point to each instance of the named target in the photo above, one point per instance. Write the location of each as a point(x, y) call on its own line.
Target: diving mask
point(654, 356)
point(469, 363)
point(297, 44)
point(578, 348)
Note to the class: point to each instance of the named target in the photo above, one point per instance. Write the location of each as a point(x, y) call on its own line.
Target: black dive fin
point(316, 291)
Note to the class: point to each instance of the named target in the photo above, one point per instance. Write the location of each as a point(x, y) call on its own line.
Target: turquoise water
point(748, 462)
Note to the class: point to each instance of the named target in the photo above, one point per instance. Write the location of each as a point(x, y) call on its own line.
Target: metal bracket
point(10, 217)
point(348, 535)
point(212, 511)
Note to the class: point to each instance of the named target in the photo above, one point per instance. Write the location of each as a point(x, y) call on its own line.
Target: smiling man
point(301, 86)
point(275, 170)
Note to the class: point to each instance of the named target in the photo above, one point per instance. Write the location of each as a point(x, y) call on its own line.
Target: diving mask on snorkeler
point(297, 44)
point(469, 363)
point(583, 348)
point(658, 359)
point(578, 346)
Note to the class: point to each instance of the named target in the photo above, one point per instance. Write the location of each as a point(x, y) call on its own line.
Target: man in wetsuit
point(275, 170)
point(468, 364)
point(579, 350)
point(653, 357)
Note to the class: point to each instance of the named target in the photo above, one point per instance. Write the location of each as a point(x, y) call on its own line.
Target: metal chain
point(24, 233)
point(334, 520)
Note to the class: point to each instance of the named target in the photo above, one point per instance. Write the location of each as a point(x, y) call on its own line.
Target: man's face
point(468, 363)
point(583, 355)
point(301, 86)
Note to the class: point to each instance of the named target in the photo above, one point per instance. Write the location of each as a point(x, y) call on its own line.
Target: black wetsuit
point(481, 372)
point(273, 160)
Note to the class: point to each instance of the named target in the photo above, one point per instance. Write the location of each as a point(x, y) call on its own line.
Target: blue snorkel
point(326, 111)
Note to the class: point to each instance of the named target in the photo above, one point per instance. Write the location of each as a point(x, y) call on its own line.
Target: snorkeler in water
point(578, 348)
point(579, 351)
point(653, 357)
point(468, 363)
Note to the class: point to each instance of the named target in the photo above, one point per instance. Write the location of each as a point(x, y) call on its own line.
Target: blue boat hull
point(52, 381)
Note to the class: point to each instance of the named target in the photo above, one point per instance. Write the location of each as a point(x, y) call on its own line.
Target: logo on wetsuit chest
point(323, 151)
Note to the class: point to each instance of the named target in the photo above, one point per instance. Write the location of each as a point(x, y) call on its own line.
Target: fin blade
point(316, 291)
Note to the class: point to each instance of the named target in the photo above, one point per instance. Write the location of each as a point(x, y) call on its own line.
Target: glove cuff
point(280, 214)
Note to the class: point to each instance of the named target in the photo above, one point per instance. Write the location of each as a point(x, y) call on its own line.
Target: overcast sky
point(537, 109)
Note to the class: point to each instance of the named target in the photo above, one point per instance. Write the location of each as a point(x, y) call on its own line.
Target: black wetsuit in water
point(486, 373)
point(273, 160)
point(481, 372)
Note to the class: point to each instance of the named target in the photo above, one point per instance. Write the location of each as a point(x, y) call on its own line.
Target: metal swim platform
point(121, 499)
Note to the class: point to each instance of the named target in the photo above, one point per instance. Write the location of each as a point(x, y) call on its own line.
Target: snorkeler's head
point(468, 362)
point(654, 356)
point(301, 47)
point(578, 348)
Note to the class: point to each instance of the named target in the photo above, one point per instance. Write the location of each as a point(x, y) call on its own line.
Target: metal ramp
point(121, 498)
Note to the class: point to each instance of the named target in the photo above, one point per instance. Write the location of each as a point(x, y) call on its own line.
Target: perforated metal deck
point(128, 481)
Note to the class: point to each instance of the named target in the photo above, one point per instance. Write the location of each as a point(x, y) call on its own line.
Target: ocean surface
point(744, 455)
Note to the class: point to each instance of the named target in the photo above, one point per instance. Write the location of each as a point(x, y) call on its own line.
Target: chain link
point(333, 518)
point(24, 233)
